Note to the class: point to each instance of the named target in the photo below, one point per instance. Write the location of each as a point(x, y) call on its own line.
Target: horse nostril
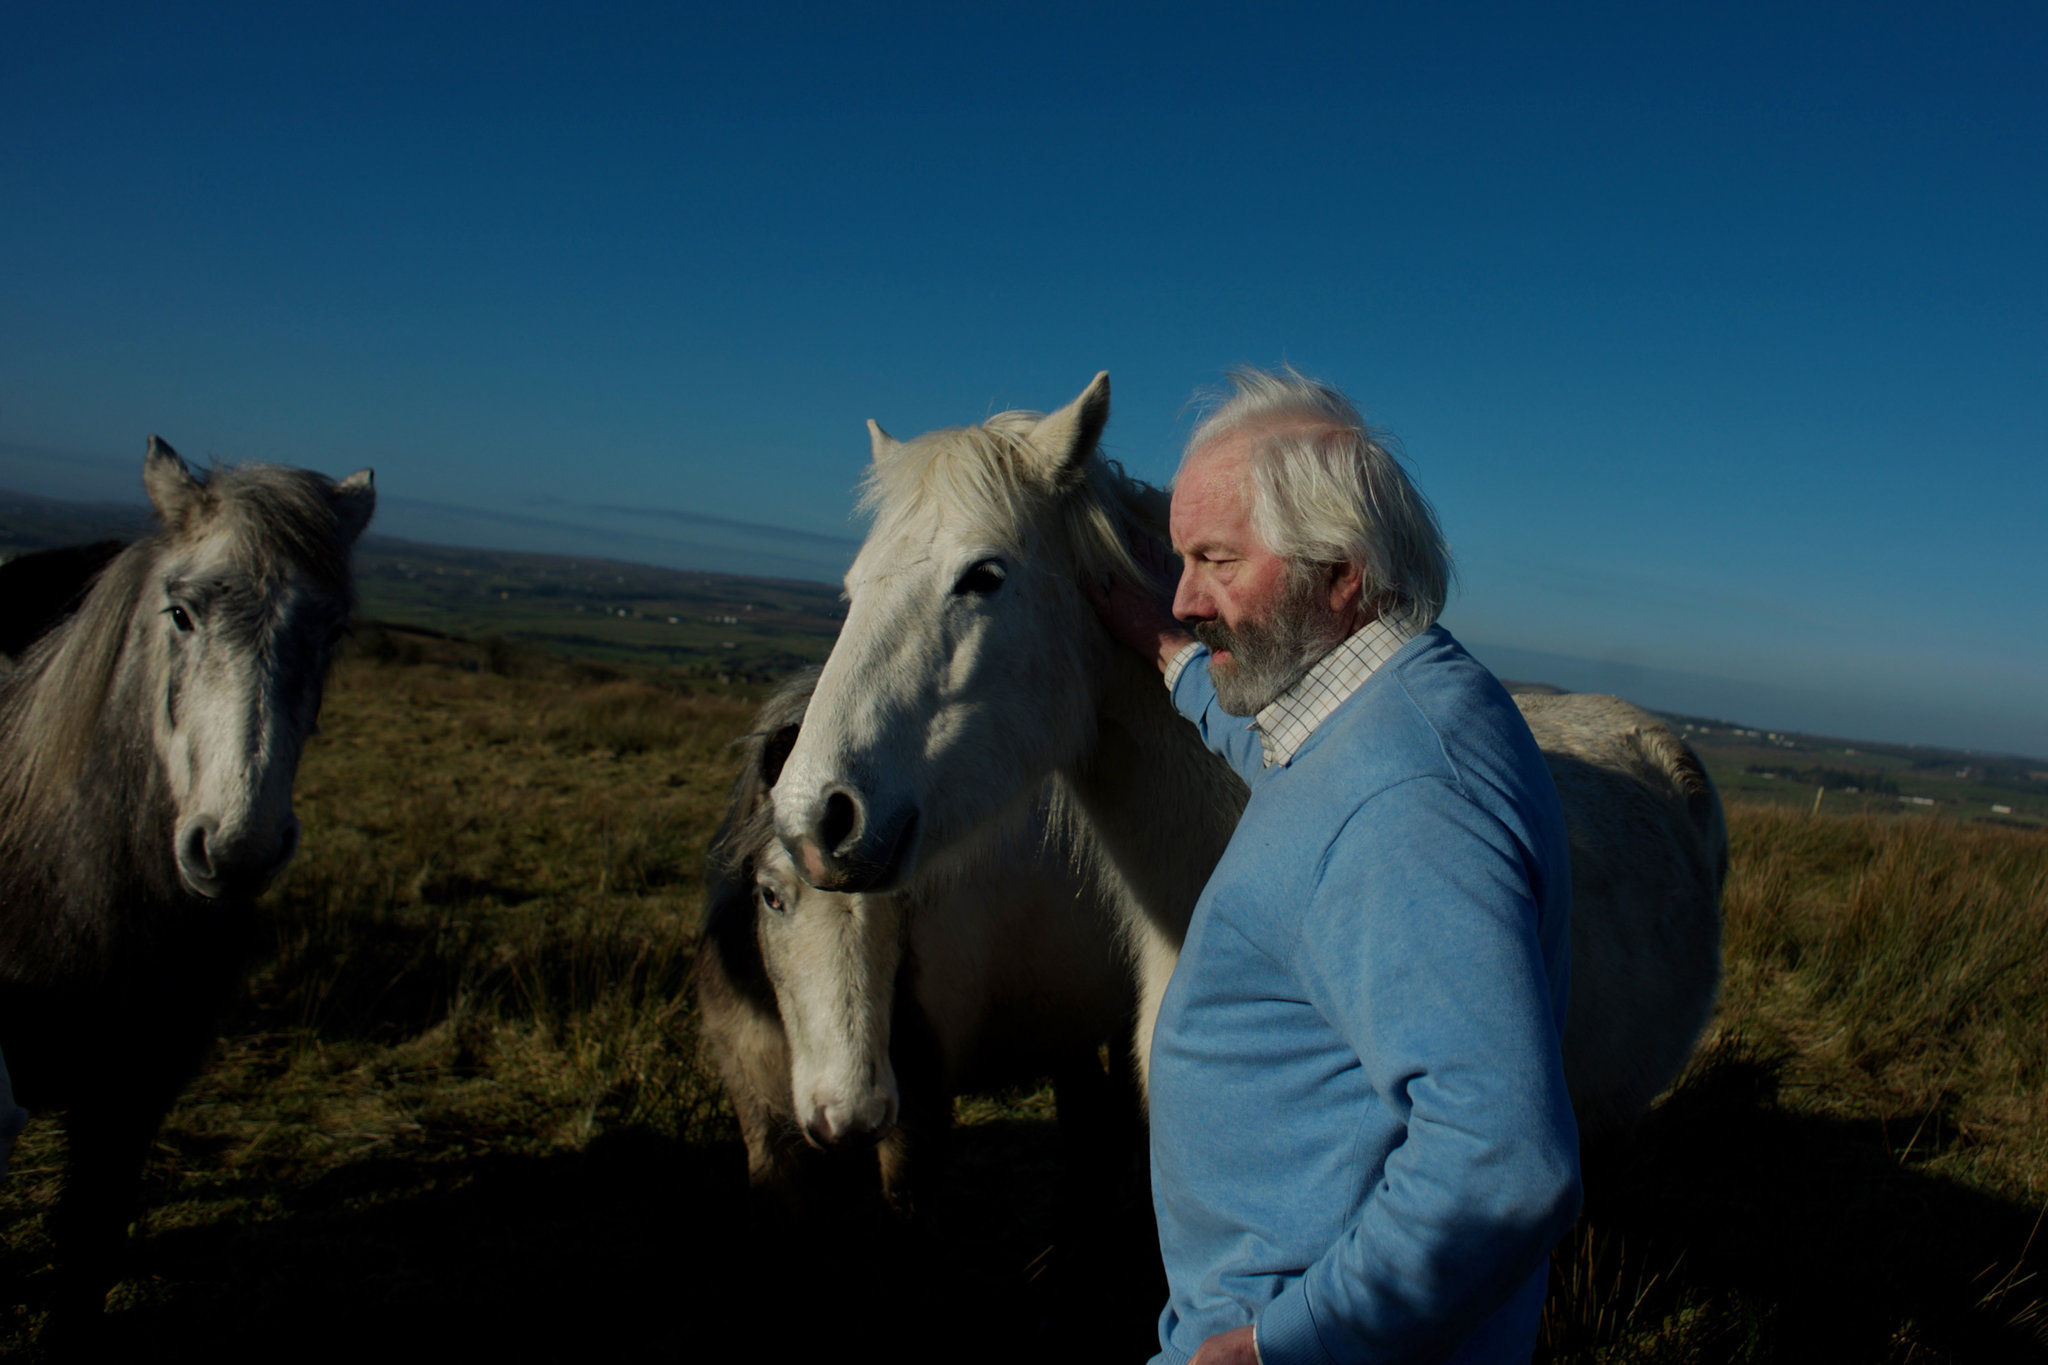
point(840, 828)
point(192, 850)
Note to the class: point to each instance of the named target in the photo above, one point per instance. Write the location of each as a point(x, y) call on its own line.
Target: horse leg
point(1085, 1103)
point(107, 1145)
point(1098, 1127)
point(13, 1118)
point(775, 1176)
point(917, 1144)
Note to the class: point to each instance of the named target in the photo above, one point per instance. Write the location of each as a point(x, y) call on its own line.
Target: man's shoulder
point(1435, 712)
point(1439, 674)
point(1427, 703)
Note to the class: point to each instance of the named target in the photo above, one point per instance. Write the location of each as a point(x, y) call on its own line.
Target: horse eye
point(179, 618)
point(981, 580)
point(771, 900)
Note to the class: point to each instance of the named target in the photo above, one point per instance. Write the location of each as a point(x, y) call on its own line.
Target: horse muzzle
point(843, 847)
point(231, 867)
point(845, 1127)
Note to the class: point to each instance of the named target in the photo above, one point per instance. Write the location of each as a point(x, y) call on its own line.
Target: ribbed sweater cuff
point(1287, 1331)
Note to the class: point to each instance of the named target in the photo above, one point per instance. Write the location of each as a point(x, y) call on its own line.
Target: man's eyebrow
point(1203, 547)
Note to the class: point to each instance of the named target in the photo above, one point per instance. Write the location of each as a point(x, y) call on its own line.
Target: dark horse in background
point(148, 745)
point(42, 587)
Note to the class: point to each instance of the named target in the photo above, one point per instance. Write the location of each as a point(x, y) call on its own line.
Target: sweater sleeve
point(1230, 737)
point(1420, 946)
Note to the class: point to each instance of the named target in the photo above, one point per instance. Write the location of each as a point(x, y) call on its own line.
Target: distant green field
point(1848, 777)
point(704, 623)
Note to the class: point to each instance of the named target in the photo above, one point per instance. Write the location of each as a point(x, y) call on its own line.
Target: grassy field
point(460, 1103)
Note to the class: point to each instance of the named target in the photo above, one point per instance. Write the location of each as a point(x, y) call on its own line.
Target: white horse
point(972, 668)
point(853, 1018)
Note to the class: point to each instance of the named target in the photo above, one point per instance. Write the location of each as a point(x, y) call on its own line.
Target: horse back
point(1626, 767)
point(1649, 851)
point(40, 589)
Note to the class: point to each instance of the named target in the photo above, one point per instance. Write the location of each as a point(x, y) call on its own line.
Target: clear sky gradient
point(1718, 335)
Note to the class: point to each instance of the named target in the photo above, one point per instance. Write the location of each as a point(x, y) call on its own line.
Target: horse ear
point(1067, 438)
point(355, 500)
point(884, 444)
point(174, 490)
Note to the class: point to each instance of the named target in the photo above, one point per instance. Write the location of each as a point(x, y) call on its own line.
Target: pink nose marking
point(814, 863)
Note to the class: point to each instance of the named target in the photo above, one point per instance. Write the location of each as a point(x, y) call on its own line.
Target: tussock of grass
point(1906, 959)
point(1601, 1298)
point(627, 717)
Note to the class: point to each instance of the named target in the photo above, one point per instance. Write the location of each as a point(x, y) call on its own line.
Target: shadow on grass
point(1731, 1228)
point(641, 1244)
point(386, 977)
point(1753, 1232)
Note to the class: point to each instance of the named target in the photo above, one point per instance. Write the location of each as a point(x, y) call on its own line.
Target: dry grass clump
point(1912, 953)
point(627, 717)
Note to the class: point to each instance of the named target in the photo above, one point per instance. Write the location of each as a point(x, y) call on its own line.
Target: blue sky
point(1718, 335)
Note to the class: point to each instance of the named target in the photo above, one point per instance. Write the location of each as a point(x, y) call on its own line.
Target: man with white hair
point(1362, 1147)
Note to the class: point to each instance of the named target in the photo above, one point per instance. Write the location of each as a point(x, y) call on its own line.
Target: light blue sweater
point(1360, 1133)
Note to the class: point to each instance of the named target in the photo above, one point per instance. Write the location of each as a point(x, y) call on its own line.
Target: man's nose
point(1190, 602)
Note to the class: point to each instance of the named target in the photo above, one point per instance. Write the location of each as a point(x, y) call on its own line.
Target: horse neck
point(1158, 804)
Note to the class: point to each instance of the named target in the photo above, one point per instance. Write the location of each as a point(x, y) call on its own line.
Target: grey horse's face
point(238, 646)
point(242, 666)
point(832, 960)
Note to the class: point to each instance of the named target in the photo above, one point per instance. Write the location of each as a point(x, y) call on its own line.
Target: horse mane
point(52, 702)
point(993, 473)
point(749, 824)
point(282, 519)
point(285, 520)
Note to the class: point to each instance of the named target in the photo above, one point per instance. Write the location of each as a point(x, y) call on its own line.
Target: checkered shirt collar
point(1289, 719)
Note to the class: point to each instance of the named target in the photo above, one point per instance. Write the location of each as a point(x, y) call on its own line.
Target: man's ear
point(1344, 587)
